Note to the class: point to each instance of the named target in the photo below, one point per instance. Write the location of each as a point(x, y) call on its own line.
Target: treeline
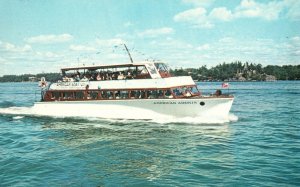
point(238, 71)
point(286, 72)
point(51, 77)
point(234, 71)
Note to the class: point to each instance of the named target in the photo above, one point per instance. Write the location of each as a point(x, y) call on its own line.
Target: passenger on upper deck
point(65, 79)
point(77, 78)
point(121, 76)
point(186, 92)
point(84, 79)
point(129, 76)
point(98, 78)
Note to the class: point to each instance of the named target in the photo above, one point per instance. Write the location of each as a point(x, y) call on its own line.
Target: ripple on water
point(259, 148)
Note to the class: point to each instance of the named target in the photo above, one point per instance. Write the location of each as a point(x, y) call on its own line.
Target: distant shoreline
point(225, 72)
point(194, 81)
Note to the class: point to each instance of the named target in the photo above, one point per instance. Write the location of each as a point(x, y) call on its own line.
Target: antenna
point(128, 53)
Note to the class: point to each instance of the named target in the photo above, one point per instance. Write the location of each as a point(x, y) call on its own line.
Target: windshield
point(161, 67)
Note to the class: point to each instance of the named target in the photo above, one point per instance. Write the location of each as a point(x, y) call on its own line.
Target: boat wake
point(197, 120)
point(20, 112)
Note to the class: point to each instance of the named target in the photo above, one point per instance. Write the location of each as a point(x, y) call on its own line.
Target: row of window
point(120, 94)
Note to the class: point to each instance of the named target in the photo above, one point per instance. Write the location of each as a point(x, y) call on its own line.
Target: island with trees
point(234, 71)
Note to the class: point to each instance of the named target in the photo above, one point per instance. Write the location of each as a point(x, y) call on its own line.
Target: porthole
point(202, 103)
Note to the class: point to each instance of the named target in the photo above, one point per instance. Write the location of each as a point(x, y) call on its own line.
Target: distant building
point(270, 78)
point(242, 78)
point(32, 79)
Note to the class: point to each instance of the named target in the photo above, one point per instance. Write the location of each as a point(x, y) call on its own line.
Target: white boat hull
point(138, 108)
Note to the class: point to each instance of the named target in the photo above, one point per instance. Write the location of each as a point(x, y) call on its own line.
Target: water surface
point(260, 148)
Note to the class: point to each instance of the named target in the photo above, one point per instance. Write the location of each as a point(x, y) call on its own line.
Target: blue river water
point(260, 148)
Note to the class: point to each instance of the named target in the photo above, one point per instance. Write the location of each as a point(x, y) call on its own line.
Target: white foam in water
point(197, 120)
point(91, 113)
point(18, 117)
point(17, 110)
point(233, 117)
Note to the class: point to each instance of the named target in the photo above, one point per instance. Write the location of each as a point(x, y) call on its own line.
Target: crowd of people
point(99, 76)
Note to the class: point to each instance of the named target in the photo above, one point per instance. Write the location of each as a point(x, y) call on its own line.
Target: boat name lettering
point(187, 102)
point(164, 102)
point(172, 102)
point(71, 84)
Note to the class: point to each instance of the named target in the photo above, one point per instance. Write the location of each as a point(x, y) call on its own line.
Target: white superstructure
point(133, 91)
point(125, 84)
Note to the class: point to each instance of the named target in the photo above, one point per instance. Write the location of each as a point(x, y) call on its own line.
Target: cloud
point(203, 47)
point(8, 47)
point(221, 13)
point(201, 17)
point(227, 49)
point(110, 42)
point(48, 39)
point(46, 56)
point(296, 39)
point(199, 3)
point(171, 43)
point(128, 24)
point(82, 48)
point(4, 62)
point(293, 7)
point(196, 17)
point(251, 9)
point(190, 15)
point(226, 40)
point(265, 51)
point(156, 32)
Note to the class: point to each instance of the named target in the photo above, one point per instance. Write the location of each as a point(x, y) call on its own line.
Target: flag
point(225, 85)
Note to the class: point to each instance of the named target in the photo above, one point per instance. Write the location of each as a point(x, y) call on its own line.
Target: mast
point(128, 53)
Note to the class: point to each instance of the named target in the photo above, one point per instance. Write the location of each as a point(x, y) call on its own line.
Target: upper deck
point(169, 82)
point(143, 70)
point(146, 75)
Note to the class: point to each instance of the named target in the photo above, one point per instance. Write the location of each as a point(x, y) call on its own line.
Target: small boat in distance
point(143, 90)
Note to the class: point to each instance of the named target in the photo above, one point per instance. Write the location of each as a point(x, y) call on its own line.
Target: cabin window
point(155, 94)
point(190, 91)
point(79, 95)
point(161, 67)
point(55, 95)
point(117, 94)
point(160, 93)
point(138, 94)
point(111, 95)
point(106, 94)
point(142, 70)
point(94, 94)
point(194, 90)
point(178, 91)
point(151, 94)
point(68, 95)
point(135, 94)
point(151, 68)
point(168, 94)
point(124, 94)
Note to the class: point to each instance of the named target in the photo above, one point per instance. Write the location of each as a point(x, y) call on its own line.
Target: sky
point(44, 36)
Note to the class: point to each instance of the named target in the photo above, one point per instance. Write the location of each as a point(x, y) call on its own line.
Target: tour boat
point(144, 90)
